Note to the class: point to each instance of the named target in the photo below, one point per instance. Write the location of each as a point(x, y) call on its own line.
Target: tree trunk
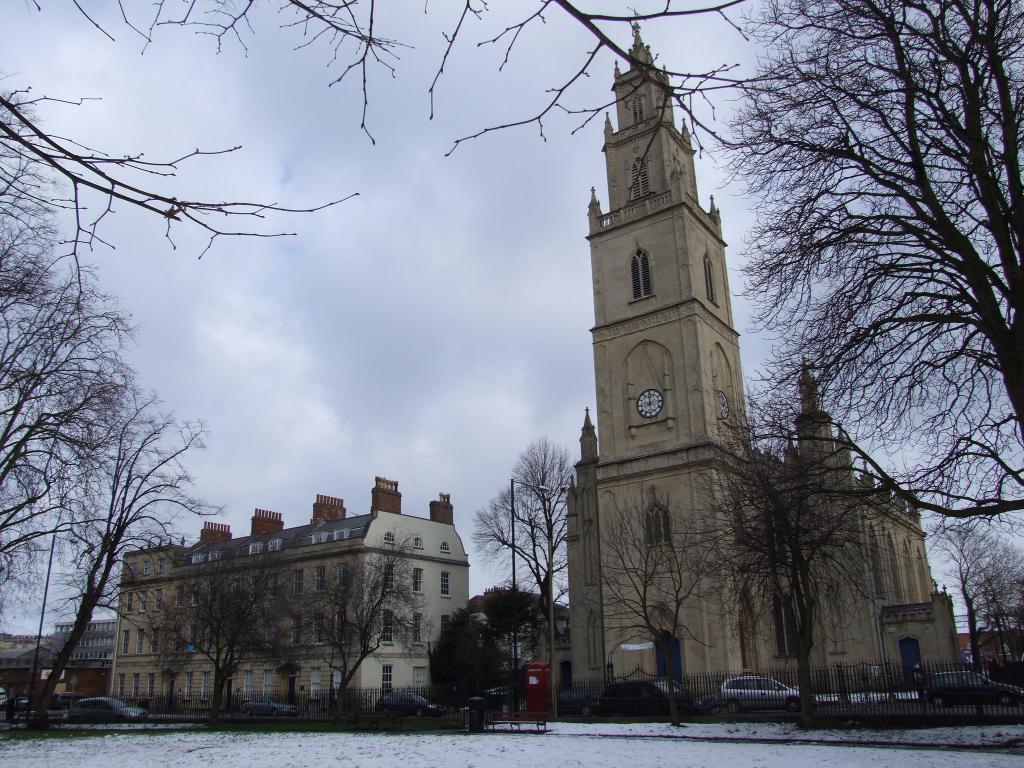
point(673, 705)
point(218, 696)
point(43, 694)
point(805, 683)
point(972, 630)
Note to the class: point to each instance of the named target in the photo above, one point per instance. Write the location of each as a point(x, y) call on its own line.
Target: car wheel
point(732, 706)
point(585, 710)
point(1006, 700)
point(937, 700)
point(792, 705)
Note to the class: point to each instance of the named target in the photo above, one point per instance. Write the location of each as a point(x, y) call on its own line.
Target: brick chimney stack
point(265, 521)
point(441, 511)
point(385, 496)
point(214, 532)
point(327, 508)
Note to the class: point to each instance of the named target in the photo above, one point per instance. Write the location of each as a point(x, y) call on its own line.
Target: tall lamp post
point(515, 601)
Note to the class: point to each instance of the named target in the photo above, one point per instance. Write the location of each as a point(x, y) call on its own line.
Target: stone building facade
point(331, 542)
point(669, 388)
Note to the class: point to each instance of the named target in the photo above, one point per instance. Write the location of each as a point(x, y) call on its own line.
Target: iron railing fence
point(878, 689)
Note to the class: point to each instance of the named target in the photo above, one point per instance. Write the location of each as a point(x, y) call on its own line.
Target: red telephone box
point(536, 686)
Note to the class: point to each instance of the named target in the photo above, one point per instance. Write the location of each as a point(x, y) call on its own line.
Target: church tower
point(666, 355)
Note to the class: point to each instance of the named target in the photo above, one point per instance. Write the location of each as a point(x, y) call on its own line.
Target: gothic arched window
point(639, 183)
point(657, 526)
point(640, 275)
point(709, 278)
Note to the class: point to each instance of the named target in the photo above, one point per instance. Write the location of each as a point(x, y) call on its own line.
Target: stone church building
point(669, 387)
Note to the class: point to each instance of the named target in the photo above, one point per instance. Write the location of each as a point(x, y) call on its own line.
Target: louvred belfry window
point(639, 184)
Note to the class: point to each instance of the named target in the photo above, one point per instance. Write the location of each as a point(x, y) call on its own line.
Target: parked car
point(408, 704)
point(64, 700)
point(971, 688)
point(749, 692)
point(103, 709)
point(643, 697)
point(572, 702)
point(268, 708)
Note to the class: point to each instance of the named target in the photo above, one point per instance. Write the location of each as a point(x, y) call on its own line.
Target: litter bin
point(475, 715)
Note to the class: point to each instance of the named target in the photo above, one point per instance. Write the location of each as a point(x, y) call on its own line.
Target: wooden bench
point(514, 721)
point(376, 719)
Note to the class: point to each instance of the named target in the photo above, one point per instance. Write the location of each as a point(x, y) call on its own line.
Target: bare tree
point(369, 601)
point(60, 378)
point(128, 500)
point(987, 570)
point(96, 181)
point(884, 141)
point(790, 531)
point(226, 612)
point(658, 572)
point(541, 477)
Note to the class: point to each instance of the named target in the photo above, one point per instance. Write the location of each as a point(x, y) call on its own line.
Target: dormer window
point(445, 547)
point(255, 547)
point(198, 558)
point(273, 545)
point(640, 275)
point(639, 182)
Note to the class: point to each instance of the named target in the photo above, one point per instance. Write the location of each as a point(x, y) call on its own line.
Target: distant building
point(96, 646)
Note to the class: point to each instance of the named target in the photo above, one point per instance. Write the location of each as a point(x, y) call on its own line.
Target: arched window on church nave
point(640, 274)
point(925, 575)
point(894, 570)
point(709, 279)
point(639, 182)
point(877, 576)
point(914, 589)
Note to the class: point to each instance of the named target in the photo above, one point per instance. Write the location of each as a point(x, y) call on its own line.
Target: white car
point(748, 692)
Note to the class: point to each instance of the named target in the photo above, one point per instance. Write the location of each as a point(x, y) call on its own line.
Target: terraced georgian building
point(148, 663)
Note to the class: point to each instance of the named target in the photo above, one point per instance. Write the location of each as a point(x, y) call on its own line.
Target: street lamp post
point(515, 601)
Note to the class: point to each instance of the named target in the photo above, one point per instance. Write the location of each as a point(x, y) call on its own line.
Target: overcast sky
point(426, 330)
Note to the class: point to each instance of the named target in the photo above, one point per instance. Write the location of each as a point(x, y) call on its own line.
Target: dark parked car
point(103, 709)
point(748, 692)
point(66, 699)
point(268, 708)
point(644, 697)
point(572, 702)
point(408, 704)
point(971, 688)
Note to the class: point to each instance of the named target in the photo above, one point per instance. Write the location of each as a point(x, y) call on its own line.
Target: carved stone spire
point(588, 439)
point(640, 52)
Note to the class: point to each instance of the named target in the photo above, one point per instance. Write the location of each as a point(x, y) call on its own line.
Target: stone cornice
point(688, 308)
point(619, 469)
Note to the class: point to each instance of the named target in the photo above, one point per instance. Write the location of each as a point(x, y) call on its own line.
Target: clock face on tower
point(649, 403)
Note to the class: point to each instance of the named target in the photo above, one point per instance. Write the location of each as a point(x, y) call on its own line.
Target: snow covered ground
point(566, 745)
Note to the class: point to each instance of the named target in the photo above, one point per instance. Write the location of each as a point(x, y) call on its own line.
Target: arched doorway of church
point(675, 656)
